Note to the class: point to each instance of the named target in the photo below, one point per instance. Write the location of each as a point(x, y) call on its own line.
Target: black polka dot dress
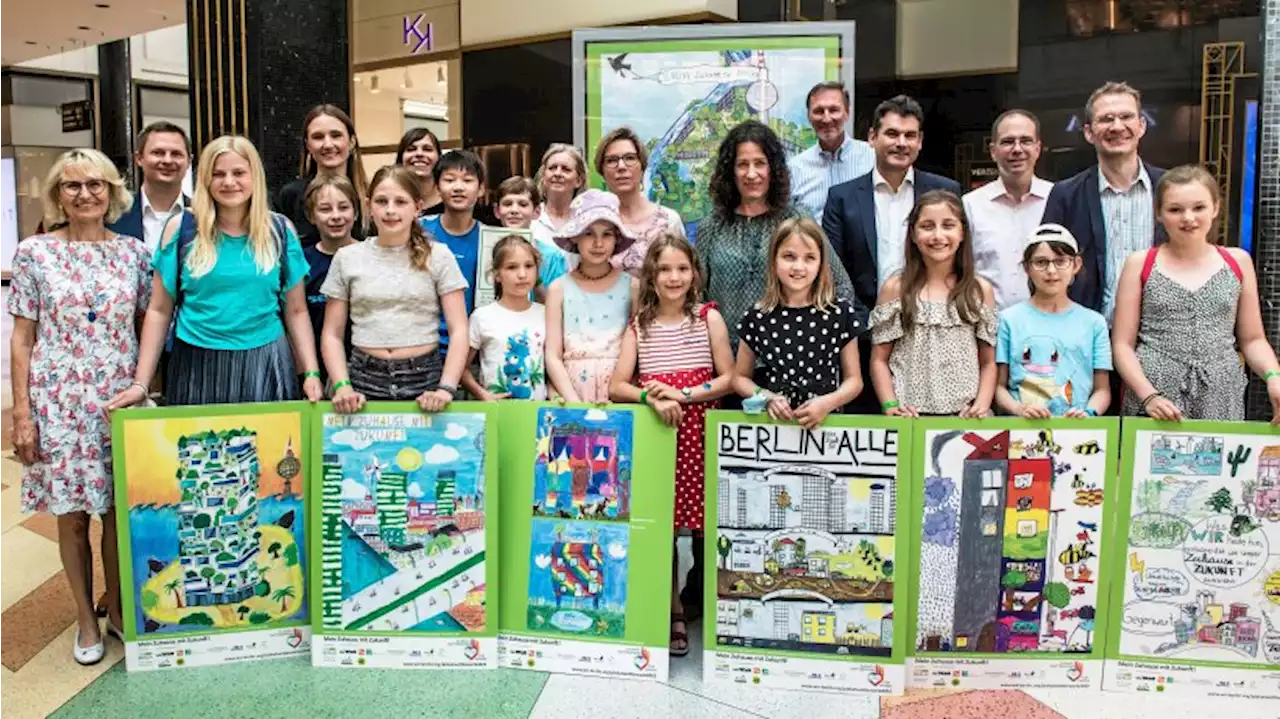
point(798, 348)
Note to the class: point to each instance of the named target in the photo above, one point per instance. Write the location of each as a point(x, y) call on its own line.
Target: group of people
point(810, 279)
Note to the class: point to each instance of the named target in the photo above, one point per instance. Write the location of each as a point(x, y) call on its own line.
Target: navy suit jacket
point(130, 223)
point(1076, 203)
point(849, 220)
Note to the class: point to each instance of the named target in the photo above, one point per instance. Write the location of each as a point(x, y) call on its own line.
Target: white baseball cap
point(1052, 232)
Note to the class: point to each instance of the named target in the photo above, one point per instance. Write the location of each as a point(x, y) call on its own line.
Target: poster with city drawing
point(598, 547)
point(1199, 552)
point(806, 555)
point(682, 88)
point(407, 553)
point(212, 533)
point(1008, 522)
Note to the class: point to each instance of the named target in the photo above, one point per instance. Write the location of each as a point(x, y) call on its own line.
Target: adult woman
point(233, 273)
point(560, 178)
point(1183, 308)
point(418, 153)
point(76, 296)
point(751, 191)
point(329, 146)
point(621, 158)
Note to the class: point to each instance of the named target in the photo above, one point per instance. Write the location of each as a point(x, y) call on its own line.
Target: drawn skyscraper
point(331, 545)
point(876, 513)
point(777, 515)
point(446, 489)
point(393, 516)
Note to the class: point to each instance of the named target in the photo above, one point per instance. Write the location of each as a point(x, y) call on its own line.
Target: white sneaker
point(87, 656)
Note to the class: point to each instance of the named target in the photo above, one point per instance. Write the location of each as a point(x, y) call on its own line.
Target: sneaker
point(87, 656)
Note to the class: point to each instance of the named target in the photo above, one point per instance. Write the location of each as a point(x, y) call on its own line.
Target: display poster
point(1009, 519)
point(408, 567)
point(1199, 549)
point(682, 88)
point(212, 533)
point(484, 281)
point(807, 558)
point(587, 575)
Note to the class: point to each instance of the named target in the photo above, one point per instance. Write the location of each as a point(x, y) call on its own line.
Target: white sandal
point(87, 656)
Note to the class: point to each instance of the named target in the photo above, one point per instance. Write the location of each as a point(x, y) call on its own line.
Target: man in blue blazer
point(1109, 207)
point(163, 152)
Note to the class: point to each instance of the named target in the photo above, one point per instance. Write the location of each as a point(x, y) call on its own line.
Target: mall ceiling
point(33, 29)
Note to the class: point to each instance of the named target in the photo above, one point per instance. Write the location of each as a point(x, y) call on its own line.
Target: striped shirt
point(815, 171)
point(1130, 222)
point(664, 349)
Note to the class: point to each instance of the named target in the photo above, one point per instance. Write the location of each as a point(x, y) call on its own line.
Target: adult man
point(836, 158)
point(1109, 207)
point(164, 154)
point(1005, 211)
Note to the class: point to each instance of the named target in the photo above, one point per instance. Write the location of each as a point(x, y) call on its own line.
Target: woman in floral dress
point(76, 296)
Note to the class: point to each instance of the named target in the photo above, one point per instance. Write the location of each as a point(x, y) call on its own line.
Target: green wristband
point(340, 384)
point(886, 406)
point(644, 396)
point(1266, 376)
point(312, 373)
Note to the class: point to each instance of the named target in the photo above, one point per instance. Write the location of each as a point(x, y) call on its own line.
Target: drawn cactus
point(1239, 457)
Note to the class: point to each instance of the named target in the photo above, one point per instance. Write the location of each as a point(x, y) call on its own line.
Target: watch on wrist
point(453, 391)
point(688, 394)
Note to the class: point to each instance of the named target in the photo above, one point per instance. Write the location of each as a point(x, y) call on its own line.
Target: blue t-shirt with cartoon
point(1052, 356)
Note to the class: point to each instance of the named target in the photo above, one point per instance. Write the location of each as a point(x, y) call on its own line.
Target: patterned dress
point(680, 356)
point(660, 221)
point(86, 298)
point(593, 327)
point(935, 365)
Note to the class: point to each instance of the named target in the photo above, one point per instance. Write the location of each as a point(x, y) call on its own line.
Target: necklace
point(94, 291)
point(588, 277)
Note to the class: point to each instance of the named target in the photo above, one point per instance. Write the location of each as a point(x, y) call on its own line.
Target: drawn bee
point(1090, 447)
point(1077, 482)
point(1024, 504)
point(1076, 553)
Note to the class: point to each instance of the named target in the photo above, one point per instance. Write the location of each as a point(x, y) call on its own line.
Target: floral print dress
point(86, 298)
point(593, 327)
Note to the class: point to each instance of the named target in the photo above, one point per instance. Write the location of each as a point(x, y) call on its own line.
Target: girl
point(941, 337)
point(588, 308)
point(233, 273)
point(1052, 355)
point(394, 287)
point(331, 206)
point(510, 334)
point(329, 147)
point(419, 152)
point(1183, 308)
point(799, 339)
point(685, 366)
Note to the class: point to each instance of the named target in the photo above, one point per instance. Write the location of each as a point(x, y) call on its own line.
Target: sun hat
point(1052, 232)
point(585, 209)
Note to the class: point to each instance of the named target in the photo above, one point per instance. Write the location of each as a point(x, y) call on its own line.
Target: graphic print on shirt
point(1047, 369)
point(521, 372)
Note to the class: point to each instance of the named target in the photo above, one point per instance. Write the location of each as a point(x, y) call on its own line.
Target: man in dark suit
point(163, 152)
point(866, 217)
point(1109, 207)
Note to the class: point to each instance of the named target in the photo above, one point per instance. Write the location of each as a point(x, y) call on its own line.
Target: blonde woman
point(76, 296)
point(232, 271)
point(562, 175)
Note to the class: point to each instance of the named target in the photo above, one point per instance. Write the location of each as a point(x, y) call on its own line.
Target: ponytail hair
point(419, 240)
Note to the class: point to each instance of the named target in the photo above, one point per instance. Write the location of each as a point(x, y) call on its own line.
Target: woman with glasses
point(622, 159)
point(76, 296)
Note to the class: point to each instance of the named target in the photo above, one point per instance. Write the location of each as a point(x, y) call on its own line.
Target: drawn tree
point(262, 588)
point(1057, 594)
point(724, 546)
point(149, 599)
point(259, 618)
point(174, 586)
point(887, 569)
point(274, 550)
point(1220, 501)
point(207, 573)
point(291, 555)
point(201, 521)
point(243, 611)
point(1012, 581)
point(197, 618)
point(800, 550)
point(283, 595)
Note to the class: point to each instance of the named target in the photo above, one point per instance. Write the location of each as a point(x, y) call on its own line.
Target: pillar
point(116, 106)
point(1266, 253)
point(257, 67)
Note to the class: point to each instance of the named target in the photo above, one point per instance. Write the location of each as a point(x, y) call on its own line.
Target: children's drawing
point(583, 464)
point(216, 531)
point(805, 538)
point(1010, 540)
point(1202, 580)
point(403, 522)
point(578, 577)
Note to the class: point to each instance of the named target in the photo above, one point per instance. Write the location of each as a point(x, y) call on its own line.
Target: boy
point(517, 206)
point(459, 175)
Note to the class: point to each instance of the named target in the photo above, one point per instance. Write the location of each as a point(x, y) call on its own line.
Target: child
point(396, 287)
point(509, 334)
point(931, 338)
point(1176, 347)
point(799, 339)
point(331, 202)
point(517, 206)
point(459, 175)
point(588, 308)
point(685, 365)
point(1052, 355)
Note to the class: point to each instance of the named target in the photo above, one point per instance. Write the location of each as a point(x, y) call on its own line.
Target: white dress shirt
point(892, 210)
point(1000, 227)
point(815, 171)
point(153, 221)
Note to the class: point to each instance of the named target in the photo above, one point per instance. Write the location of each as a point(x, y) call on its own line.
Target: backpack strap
point(1148, 265)
point(186, 236)
point(1231, 262)
point(280, 233)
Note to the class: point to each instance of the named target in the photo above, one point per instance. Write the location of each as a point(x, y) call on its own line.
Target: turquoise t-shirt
point(234, 306)
point(553, 263)
point(1052, 356)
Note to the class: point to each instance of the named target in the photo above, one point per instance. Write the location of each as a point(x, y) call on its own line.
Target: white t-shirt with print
point(510, 345)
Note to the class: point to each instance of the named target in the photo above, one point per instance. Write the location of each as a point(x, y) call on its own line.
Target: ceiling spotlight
point(373, 85)
point(102, 5)
point(85, 27)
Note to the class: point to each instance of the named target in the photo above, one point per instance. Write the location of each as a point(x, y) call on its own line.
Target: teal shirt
point(234, 306)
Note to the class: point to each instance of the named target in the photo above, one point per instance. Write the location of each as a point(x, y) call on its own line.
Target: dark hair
point(967, 292)
point(461, 160)
point(503, 247)
point(1015, 112)
point(649, 278)
point(162, 126)
point(898, 105)
point(825, 87)
point(355, 167)
point(1060, 249)
point(620, 134)
point(724, 190)
point(519, 185)
point(412, 136)
point(419, 240)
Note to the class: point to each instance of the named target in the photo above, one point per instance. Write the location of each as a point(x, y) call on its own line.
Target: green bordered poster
point(682, 88)
point(1009, 519)
point(1199, 548)
point(587, 505)
point(805, 553)
point(407, 552)
point(212, 533)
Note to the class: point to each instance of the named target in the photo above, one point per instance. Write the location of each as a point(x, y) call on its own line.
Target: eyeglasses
point(630, 159)
point(71, 188)
point(1124, 118)
point(1041, 264)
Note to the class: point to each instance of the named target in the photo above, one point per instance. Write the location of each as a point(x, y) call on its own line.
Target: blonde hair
point(579, 164)
point(204, 249)
point(337, 182)
point(617, 135)
point(503, 248)
point(95, 165)
point(822, 293)
point(1112, 87)
point(419, 240)
point(1187, 175)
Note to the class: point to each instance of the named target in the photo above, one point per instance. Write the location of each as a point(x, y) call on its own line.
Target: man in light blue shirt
point(836, 158)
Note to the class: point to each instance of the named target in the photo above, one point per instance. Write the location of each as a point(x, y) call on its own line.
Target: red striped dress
point(680, 356)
